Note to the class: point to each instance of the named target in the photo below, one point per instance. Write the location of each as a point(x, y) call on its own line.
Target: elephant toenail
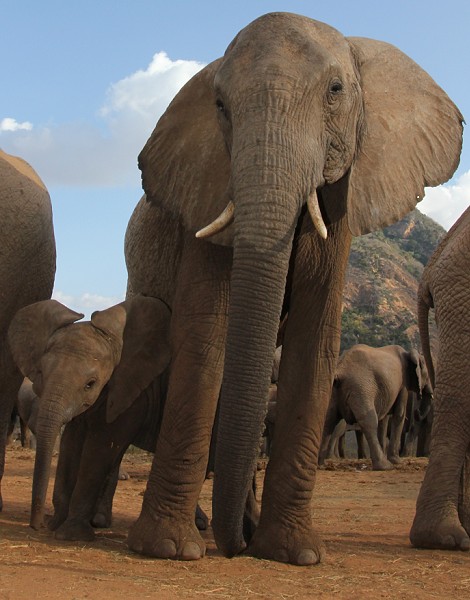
point(307, 557)
point(191, 551)
point(166, 549)
point(281, 555)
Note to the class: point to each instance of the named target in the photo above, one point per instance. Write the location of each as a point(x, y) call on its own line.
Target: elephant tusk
point(315, 213)
point(222, 221)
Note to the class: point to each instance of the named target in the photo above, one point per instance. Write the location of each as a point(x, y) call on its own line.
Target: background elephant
point(292, 140)
point(442, 517)
point(370, 384)
point(124, 348)
point(27, 267)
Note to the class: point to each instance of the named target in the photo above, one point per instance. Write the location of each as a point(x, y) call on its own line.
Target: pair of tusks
point(226, 217)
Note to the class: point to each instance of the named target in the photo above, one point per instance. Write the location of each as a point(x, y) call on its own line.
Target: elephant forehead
point(80, 339)
point(282, 36)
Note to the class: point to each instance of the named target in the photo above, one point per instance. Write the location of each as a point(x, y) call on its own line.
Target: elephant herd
point(256, 177)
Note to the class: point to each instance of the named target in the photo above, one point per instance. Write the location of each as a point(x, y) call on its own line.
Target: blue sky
point(84, 82)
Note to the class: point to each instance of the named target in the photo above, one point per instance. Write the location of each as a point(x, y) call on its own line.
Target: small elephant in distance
point(125, 348)
point(371, 383)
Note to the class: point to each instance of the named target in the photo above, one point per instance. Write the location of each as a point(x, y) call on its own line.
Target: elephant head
point(70, 363)
point(293, 118)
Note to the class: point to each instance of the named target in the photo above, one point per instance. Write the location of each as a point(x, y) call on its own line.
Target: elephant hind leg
point(442, 508)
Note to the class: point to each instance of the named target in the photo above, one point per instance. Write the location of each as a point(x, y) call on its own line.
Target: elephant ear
point(111, 322)
point(186, 159)
point(412, 137)
point(31, 329)
point(145, 353)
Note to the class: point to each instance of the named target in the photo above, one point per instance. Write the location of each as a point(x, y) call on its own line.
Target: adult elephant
point(294, 139)
point(442, 517)
point(370, 384)
point(27, 267)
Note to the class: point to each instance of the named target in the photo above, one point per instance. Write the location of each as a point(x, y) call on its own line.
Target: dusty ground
point(364, 517)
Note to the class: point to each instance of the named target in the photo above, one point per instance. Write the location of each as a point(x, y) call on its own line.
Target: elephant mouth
point(227, 216)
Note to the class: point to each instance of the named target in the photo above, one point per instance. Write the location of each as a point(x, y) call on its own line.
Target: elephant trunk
point(262, 249)
point(52, 416)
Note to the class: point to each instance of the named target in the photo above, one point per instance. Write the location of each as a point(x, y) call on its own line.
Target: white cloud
point(86, 303)
point(104, 153)
point(446, 203)
point(9, 124)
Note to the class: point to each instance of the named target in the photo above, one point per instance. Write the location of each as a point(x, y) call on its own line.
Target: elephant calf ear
point(30, 330)
point(145, 353)
point(412, 137)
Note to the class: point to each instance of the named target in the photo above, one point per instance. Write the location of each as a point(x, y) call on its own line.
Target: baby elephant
point(92, 376)
point(371, 383)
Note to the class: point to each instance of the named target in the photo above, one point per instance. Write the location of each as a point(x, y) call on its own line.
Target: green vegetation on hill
point(379, 304)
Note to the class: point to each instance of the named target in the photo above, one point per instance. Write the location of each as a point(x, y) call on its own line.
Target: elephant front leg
point(71, 445)
point(310, 349)
point(166, 527)
point(104, 445)
point(464, 494)
point(398, 420)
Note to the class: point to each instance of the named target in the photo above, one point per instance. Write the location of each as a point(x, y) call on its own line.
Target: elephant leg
point(68, 464)
point(10, 381)
point(361, 445)
point(397, 422)
point(103, 511)
point(165, 527)
point(382, 432)
point(369, 424)
point(464, 494)
point(437, 521)
point(310, 350)
point(95, 481)
point(333, 422)
point(342, 446)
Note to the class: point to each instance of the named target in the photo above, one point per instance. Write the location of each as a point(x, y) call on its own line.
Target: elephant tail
point(425, 302)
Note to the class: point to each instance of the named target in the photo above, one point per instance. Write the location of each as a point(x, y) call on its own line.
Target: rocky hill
point(379, 305)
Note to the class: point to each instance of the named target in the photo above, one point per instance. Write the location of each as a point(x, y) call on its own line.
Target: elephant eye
point(221, 106)
point(90, 384)
point(336, 87)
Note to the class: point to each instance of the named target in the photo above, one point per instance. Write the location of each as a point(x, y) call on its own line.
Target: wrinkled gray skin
point(27, 267)
point(442, 517)
point(292, 112)
point(124, 347)
point(370, 384)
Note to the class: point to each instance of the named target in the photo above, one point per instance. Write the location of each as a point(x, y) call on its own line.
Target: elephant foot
point(283, 544)
point(166, 538)
point(382, 465)
point(53, 523)
point(446, 534)
point(395, 460)
point(101, 520)
point(75, 530)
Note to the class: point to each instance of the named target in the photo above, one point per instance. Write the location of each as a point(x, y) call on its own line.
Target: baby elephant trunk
point(50, 421)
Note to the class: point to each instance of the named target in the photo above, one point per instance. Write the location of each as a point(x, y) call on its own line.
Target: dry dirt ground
point(364, 517)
